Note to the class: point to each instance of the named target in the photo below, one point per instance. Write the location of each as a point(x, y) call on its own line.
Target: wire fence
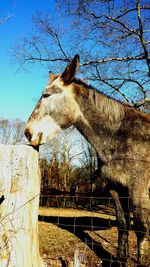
point(92, 221)
point(66, 200)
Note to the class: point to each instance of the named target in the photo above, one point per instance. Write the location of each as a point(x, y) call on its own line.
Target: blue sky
point(19, 89)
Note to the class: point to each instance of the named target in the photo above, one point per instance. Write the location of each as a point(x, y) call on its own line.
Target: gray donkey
point(119, 133)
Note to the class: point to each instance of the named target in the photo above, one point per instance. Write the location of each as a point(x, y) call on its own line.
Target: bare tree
point(59, 158)
point(11, 131)
point(113, 40)
point(122, 33)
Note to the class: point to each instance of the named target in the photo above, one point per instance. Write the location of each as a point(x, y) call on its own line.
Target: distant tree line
point(65, 165)
point(11, 131)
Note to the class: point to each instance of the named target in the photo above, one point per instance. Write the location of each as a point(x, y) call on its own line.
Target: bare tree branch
point(131, 10)
point(142, 103)
point(3, 20)
point(31, 58)
point(139, 57)
point(141, 35)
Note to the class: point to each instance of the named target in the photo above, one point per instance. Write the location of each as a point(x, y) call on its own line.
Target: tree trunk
point(19, 195)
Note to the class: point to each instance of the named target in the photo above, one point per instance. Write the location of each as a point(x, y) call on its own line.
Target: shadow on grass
point(79, 225)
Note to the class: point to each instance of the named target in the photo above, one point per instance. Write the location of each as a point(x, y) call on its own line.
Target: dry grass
point(109, 240)
point(104, 212)
point(56, 243)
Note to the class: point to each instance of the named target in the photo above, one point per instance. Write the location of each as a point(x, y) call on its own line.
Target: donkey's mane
point(101, 100)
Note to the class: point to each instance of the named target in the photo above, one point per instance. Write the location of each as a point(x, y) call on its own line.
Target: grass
point(58, 245)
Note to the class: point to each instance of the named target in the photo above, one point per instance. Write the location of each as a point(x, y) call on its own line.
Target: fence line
point(92, 219)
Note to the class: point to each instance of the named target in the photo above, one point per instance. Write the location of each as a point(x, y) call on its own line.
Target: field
point(64, 233)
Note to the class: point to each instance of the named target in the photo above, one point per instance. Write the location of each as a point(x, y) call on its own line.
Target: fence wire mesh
point(85, 226)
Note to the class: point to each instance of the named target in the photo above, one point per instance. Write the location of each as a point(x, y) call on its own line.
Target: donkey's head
point(57, 109)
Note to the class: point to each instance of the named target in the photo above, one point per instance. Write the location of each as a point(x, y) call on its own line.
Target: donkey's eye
point(45, 95)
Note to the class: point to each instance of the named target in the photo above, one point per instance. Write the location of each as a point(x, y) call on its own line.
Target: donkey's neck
point(101, 119)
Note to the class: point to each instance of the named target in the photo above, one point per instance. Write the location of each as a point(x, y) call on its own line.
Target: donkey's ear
point(51, 75)
point(70, 71)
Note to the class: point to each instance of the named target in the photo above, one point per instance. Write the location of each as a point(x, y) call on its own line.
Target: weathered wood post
point(19, 194)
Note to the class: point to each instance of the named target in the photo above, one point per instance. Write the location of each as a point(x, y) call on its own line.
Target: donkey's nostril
point(28, 134)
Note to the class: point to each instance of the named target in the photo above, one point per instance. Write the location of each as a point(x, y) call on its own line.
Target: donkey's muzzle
point(28, 134)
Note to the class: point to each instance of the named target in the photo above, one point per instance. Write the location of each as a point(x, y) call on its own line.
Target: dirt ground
point(58, 246)
point(67, 235)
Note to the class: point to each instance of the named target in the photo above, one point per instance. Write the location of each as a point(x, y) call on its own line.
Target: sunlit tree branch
point(3, 20)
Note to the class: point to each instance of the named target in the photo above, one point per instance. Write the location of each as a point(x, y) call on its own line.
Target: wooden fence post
point(19, 194)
